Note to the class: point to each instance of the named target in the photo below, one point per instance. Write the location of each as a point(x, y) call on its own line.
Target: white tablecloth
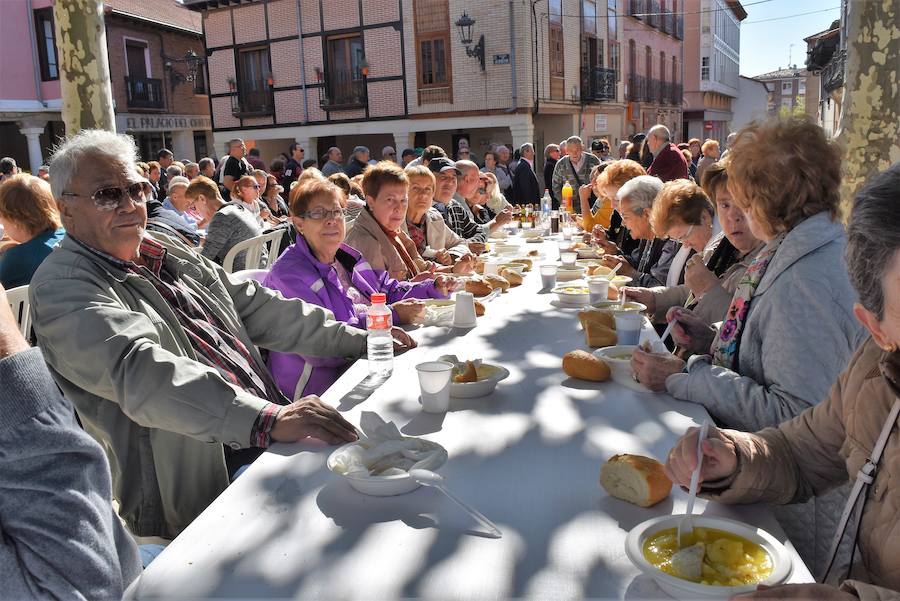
point(528, 457)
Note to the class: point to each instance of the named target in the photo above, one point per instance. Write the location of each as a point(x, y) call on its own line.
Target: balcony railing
point(676, 94)
point(833, 73)
point(598, 84)
point(636, 8)
point(665, 92)
point(668, 23)
point(144, 93)
point(637, 88)
point(343, 89)
point(652, 11)
point(655, 92)
point(253, 99)
point(679, 27)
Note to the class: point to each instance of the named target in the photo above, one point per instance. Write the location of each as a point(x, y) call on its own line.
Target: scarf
point(396, 239)
point(417, 234)
point(726, 353)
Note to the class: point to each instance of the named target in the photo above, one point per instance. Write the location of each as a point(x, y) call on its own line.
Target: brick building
point(825, 58)
point(396, 72)
point(787, 89)
point(147, 43)
point(712, 64)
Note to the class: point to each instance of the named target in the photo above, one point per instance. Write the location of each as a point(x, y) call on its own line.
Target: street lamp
point(465, 24)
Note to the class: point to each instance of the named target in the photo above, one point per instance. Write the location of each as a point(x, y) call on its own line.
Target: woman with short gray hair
point(827, 445)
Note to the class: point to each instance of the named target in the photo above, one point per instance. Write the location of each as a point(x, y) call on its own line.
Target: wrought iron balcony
point(636, 8)
point(655, 91)
point(144, 93)
point(679, 27)
point(668, 23)
point(598, 84)
point(637, 88)
point(253, 99)
point(676, 94)
point(652, 11)
point(343, 89)
point(833, 73)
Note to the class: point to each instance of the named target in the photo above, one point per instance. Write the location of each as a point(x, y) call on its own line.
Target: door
point(136, 55)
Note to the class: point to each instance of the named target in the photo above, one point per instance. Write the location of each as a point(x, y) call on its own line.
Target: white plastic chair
point(250, 274)
point(254, 247)
point(18, 302)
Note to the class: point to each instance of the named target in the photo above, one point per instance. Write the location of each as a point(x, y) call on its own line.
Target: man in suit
point(525, 187)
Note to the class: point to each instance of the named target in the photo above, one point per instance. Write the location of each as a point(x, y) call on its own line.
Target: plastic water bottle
point(380, 342)
point(546, 204)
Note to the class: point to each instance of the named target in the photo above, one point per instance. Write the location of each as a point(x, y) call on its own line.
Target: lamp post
point(465, 24)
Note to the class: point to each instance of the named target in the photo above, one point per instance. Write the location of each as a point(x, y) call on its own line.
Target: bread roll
point(479, 267)
point(585, 366)
point(636, 479)
point(612, 293)
point(514, 278)
point(603, 318)
point(479, 308)
point(478, 287)
point(497, 281)
point(598, 335)
point(469, 375)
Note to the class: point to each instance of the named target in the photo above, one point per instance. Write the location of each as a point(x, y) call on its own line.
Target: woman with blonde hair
point(246, 192)
point(710, 150)
point(30, 218)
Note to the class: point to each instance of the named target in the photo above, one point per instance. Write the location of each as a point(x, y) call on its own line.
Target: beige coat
point(119, 354)
point(369, 239)
point(824, 447)
point(715, 301)
point(438, 236)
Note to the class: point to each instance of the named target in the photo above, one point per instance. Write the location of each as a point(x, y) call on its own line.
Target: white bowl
point(572, 299)
point(587, 253)
point(567, 274)
point(385, 486)
point(471, 390)
point(620, 368)
point(685, 589)
point(613, 307)
point(499, 235)
point(505, 249)
point(531, 233)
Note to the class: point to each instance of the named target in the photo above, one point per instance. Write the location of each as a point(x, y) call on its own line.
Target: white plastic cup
point(491, 267)
point(568, 258)
point(464, 311)
point(628, 328)
point(548, 276)
point(434, 383)
point(599, 289)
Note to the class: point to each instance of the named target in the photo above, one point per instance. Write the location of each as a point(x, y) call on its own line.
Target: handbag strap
point(864, 478)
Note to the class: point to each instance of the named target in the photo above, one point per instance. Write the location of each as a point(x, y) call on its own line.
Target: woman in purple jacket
point(322, 270)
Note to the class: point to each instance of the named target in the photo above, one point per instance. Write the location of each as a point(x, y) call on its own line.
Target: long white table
point(528, 457)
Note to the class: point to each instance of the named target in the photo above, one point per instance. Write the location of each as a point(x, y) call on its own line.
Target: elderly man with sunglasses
point(157, 346)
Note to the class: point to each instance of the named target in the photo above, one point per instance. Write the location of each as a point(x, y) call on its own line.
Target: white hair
point(178, 180)
point(574, 140)
point(660, 131)
point(466, 166)
point(640, 191)
point(72, 153)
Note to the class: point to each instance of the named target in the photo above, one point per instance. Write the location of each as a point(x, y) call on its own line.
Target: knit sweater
point(60, 537)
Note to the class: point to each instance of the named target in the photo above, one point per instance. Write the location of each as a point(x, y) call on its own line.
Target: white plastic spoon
point(686, 524)
point(429, 478)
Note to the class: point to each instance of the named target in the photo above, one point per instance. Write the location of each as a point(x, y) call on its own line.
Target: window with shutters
point(557, 61)
point(254, 79)
point(46, 44)
point(431, 20)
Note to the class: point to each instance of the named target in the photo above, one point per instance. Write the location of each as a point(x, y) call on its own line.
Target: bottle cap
point(379, 297)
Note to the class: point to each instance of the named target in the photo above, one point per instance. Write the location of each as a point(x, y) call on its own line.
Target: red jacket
point(669, 164)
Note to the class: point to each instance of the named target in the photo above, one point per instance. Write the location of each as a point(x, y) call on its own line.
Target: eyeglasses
point(254, 186)
point(686, 235)
point(324, 214)
point(482, 190)
point(110, 199)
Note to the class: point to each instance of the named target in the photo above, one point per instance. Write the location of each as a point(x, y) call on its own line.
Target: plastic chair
point(254, 247)
point(250, 274)
point(18, 302)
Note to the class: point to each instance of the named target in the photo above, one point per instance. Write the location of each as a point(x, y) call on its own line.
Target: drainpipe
point(512, 57)
point(34, 54)
point(535, 75)
point(302, 65)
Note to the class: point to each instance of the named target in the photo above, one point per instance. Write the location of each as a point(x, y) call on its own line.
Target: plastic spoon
point(666, 333)
point(429, 478)
point(686, 524)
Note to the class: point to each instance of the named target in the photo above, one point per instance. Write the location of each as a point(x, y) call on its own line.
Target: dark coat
point(669, 164)
point(549, 165)
point(525, 185)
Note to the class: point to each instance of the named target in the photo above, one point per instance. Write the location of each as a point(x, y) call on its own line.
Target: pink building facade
point(154, 100)
point(403, 73)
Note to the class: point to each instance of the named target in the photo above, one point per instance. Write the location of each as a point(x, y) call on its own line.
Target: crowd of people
point(786, 323)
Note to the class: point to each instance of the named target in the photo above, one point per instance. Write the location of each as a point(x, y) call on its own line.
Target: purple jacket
point(299, 274)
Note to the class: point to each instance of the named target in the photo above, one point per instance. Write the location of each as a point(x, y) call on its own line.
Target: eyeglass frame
point(146, 189)
point(687, 234)
point(326, 214)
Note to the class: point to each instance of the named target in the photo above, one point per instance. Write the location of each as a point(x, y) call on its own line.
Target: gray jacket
point(799, 336)
point(59, 535)
point(231, 224)
point(565, 172)
point(438, 236)
point(118, 352)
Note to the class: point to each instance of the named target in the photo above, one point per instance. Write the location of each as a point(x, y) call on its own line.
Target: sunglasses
point(110, 199)
point(324, 214)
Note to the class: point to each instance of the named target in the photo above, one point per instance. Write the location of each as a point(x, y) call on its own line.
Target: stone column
point(402, 141)
point(183, 145)
point(32, 131)
point(522, 132)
